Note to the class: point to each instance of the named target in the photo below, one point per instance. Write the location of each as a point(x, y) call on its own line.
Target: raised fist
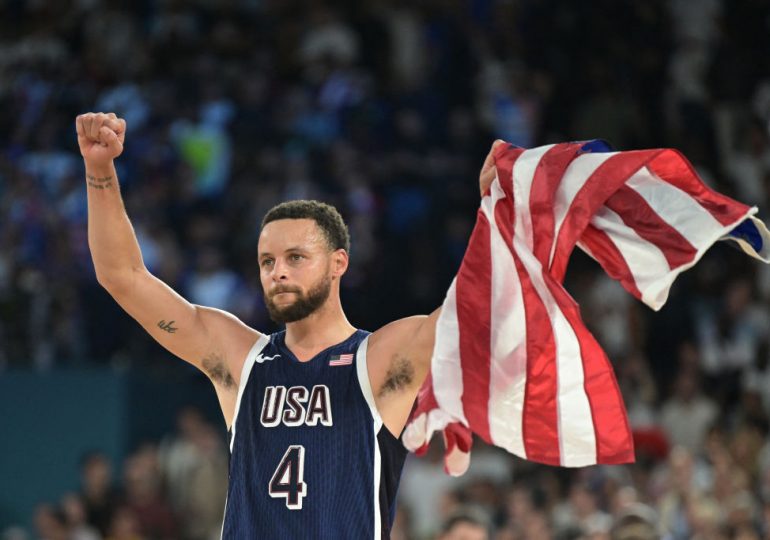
point(100, 137)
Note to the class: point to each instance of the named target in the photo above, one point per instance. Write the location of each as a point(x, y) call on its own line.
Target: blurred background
point(385, 109)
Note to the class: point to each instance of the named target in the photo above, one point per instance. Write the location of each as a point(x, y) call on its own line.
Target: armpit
point(215, 367)
point(400, 375)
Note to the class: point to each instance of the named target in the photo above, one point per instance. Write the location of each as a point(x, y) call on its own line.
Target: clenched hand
point(100, 137)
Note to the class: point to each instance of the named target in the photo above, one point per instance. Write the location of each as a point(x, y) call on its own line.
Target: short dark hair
point(325, 215)
point(471, 515)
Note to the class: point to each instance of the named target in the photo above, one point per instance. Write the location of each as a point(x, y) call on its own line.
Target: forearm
point(114, 248)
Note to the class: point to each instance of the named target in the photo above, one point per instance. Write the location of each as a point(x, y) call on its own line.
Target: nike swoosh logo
point(260, 359)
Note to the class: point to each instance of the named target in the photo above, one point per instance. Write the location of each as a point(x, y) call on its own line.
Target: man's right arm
point(212, 340)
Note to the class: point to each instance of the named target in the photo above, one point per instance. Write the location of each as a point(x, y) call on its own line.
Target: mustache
point(283, 289)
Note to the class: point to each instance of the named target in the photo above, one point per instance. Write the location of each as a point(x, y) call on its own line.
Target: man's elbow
point(115, 282)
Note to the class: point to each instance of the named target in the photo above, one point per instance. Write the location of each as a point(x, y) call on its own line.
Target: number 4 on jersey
point(287, 480)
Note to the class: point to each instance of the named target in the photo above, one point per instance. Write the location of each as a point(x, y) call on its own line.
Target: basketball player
point(314, 412)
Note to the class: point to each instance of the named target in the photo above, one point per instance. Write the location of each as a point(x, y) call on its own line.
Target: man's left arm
point(398, 360)
point(399, 353)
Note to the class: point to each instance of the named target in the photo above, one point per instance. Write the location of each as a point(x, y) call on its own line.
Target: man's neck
point(322, 329)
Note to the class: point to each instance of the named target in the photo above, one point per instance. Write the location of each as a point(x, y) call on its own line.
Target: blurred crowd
point(386, 109)
point(168, 490)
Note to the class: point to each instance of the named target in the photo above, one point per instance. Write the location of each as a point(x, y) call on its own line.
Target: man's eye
point(296, 257)
point(267, 262)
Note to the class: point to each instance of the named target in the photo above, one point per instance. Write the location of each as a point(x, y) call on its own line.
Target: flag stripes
point(341, 359)
point(513, 361)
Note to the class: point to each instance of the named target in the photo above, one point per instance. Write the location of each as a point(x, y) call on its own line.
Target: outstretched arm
point(400, 353)
point(212, 340)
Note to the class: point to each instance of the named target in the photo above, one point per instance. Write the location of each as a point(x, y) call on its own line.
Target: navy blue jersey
point(310, 457)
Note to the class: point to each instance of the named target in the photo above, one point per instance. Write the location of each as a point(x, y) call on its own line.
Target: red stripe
point(426, 399)
point(675, 169)
point(645, 221)
point(608, 255)
point(474, 282)
point(505, 157)
point(614, 443)
point(426, 402)
point(546, 180)
point(604, 181)
point(540, 424)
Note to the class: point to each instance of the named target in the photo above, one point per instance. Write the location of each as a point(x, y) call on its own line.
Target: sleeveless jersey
point(309, 455)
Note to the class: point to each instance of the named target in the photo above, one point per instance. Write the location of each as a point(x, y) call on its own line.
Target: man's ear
point(340, 262)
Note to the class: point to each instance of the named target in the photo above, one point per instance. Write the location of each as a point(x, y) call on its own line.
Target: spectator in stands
point(125, 525)
point(51, 523)
point(99, 496)
point(144, 495)
point(467, 524)
point(194, 464)
point(688, 414)
point(75, 514)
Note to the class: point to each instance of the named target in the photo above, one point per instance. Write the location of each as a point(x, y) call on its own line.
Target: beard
point(303, 306)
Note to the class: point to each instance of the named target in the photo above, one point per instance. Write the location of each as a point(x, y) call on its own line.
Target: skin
point(293, 255)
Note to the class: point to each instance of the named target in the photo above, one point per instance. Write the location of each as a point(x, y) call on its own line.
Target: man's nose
point(279, 271)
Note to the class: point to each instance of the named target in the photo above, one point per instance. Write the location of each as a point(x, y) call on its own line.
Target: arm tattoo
point(400, 374)
point(214, 366)
point(167, 326)
point(99, 183)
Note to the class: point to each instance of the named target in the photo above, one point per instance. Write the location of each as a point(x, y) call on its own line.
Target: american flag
point(513, 361)
point(341, 360)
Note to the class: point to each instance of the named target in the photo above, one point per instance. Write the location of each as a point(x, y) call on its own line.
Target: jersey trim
point(377, 479)
point(248, 363)
point(363, 380)
point(366, 389)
